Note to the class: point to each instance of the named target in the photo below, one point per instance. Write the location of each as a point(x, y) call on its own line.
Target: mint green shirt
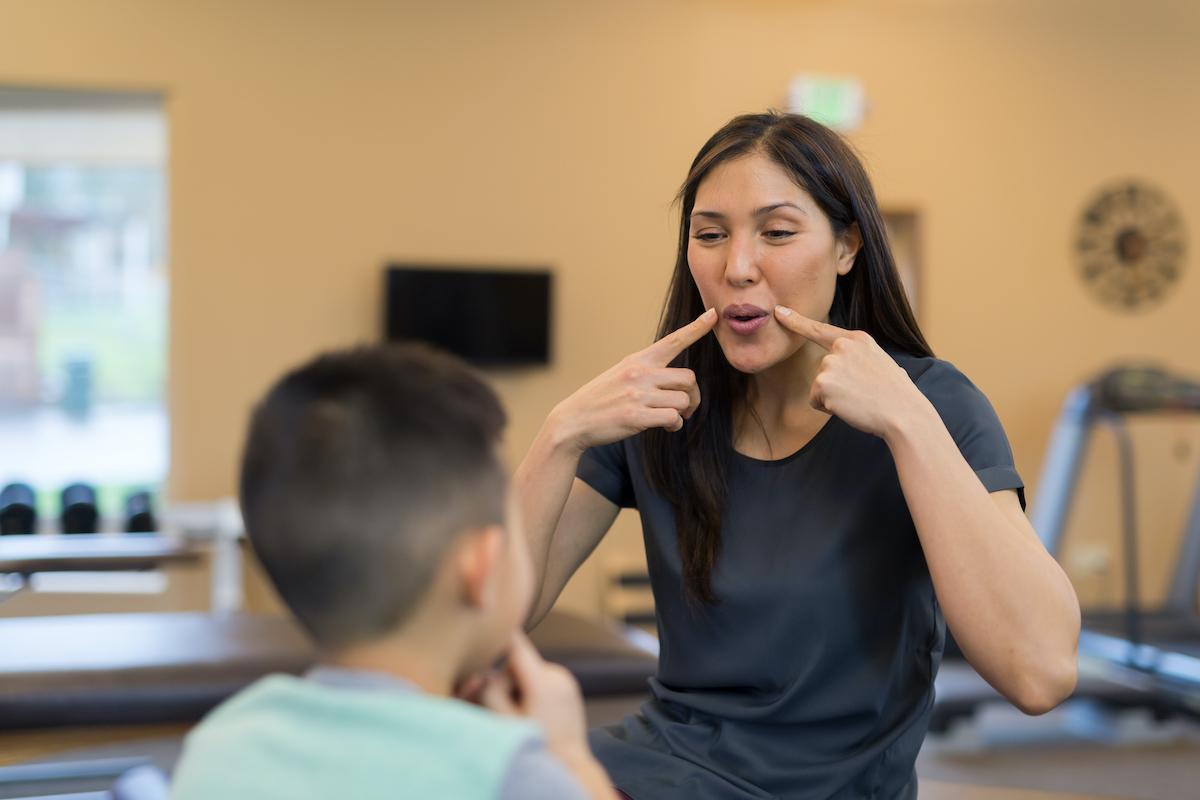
point(285, 737)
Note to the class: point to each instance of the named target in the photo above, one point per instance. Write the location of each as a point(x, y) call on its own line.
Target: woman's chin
point(750, 360)
point(766, 349)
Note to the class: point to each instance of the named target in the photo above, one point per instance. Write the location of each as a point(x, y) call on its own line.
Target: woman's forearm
point(1011, 607)
point(639, 392)
point(541, 487)
point(564, 518)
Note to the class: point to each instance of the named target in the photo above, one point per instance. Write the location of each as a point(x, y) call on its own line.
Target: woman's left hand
point(858, 382)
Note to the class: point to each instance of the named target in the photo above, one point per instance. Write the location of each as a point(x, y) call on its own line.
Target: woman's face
point(758, 240)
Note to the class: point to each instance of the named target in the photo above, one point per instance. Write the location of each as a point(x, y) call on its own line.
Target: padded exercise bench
point(605, 662)
point(174, 667)
point(136, 668)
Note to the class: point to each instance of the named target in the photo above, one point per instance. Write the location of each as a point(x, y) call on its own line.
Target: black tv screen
point(487, 317)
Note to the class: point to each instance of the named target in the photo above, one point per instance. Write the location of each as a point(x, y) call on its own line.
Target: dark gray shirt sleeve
point(973, 424)
point(536, 774)
point(606, 469)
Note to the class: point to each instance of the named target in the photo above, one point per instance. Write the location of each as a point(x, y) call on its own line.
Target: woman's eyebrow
point(775, 206)
point(757, 213)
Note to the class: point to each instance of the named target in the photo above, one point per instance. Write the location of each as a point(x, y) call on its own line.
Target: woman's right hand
point(639, 393)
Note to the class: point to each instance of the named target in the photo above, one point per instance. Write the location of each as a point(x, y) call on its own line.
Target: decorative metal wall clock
point(1131, 246)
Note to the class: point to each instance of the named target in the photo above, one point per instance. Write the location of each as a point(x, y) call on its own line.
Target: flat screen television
point(488, 317)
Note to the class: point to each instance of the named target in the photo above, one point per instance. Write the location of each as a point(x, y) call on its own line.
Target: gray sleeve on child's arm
point(536, 774)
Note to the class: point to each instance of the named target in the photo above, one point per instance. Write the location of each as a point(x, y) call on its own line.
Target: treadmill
point(1157, 648)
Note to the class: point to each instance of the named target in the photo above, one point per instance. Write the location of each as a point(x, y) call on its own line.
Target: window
point(83, 295)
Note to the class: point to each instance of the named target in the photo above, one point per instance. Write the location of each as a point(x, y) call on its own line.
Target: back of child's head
point(359, 470)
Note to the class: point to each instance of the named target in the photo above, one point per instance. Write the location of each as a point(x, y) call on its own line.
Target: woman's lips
point(745, 319)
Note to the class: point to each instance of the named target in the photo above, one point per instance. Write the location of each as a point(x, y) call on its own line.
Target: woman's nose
point(741, 264)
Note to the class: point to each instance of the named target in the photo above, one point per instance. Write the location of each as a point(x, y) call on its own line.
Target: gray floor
point(162, 751)
point(1079, 747)
point(1076, 748)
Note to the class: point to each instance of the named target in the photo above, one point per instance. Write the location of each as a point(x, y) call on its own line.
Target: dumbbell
point(139, 513)
point(18, 509)
point(79, 509)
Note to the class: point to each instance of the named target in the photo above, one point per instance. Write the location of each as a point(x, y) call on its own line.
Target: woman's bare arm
point(1011, 607)
point(585, 520)
point(565, 518)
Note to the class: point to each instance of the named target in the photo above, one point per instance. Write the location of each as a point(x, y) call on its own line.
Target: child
point(374, 496)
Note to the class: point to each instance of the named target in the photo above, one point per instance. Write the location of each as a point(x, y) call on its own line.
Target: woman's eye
point(778, 234)
point(708, 236)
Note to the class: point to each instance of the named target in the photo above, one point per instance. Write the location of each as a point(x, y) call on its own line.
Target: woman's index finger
point(821, 333)
point(668, 348)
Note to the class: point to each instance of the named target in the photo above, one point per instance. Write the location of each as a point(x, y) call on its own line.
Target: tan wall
point(313, 141)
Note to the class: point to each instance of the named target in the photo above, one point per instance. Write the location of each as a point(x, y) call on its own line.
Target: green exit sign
point(836, 101)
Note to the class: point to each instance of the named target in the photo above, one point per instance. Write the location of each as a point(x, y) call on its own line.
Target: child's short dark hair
point(359, 469)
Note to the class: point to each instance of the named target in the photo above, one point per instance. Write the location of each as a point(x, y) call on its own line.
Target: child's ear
point(477, 562)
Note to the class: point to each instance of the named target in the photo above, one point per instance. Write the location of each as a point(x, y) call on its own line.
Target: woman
point(820, 497)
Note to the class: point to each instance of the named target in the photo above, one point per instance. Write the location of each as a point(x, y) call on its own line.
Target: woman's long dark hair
point(691, 468)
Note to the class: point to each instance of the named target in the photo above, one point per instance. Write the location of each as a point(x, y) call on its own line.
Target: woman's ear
point(478, 561)
point(849, 243)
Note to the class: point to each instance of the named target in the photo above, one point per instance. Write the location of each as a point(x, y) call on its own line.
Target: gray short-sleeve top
point(813, 676)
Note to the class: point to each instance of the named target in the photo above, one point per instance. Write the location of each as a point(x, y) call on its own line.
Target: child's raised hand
point(533, 687)
point(471, 688)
